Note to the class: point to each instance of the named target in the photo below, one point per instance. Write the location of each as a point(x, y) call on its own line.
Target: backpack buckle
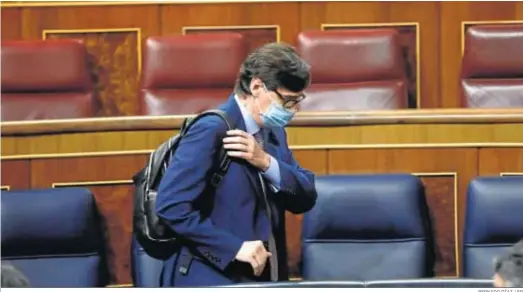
point(216, 179)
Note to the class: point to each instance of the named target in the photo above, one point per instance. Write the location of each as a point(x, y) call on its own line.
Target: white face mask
point(276, 116)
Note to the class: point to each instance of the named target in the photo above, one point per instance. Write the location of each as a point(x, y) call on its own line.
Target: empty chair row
point(363, 228)
point(361, 69)
point(378, 228)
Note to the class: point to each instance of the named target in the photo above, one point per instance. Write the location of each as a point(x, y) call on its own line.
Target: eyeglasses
point(288, 101)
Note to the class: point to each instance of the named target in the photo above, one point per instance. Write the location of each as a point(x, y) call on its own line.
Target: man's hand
point(242, 145)
point(254, 253)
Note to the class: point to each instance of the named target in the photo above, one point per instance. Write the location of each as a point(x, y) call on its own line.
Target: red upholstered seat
point(46, 80)
point(189, 74)
point(492, 66)
point(360, 69)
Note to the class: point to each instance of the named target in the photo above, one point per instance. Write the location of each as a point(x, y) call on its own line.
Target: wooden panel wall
point(439, 26)
point(445, 173)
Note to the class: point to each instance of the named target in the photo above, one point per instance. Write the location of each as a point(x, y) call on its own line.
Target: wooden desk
point(445, 148)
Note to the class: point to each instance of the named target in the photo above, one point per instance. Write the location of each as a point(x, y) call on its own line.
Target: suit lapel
point(232, 109)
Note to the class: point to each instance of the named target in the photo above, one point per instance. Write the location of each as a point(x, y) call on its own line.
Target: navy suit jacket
point(214, 224)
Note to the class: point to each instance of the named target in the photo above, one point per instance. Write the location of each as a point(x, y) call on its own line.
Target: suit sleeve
point(184, 183)
point(297, 189)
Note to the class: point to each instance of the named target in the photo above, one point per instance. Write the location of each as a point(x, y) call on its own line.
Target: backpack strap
point(190, 121)
point(223, 165)
point(223, 159)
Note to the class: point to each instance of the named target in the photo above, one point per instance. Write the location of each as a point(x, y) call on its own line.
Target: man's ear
point(256, 86)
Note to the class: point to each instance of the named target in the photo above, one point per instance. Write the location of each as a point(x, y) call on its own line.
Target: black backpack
point(155, 237)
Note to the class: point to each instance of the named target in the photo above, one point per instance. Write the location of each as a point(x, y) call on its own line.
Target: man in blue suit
point(236, 233)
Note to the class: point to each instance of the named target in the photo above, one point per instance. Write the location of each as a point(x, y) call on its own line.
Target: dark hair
point(13, 278)
point(510, 266)
point(277, 65)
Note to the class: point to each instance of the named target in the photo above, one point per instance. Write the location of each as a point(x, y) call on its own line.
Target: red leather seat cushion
point(492, 66)
point(493, 51)
point(42, 106)
point(354, 70)
point(371, 95)
point(182, 101)
point(493, 93)
point(36, 66)
point(189, 74)
point(345, 56)
point(46, 80)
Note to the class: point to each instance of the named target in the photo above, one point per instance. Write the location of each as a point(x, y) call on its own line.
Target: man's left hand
point(243, 145)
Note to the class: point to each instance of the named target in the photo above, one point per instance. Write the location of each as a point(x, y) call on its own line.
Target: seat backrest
point(54, 237)
point(189, 74)
point(47, 79)
point(145, 270)
point(432, 283)
point(367, 227)
point(492, 66)
point(359, 69)
point(494, 222)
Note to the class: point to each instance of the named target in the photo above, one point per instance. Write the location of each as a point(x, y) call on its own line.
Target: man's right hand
point(254, 253)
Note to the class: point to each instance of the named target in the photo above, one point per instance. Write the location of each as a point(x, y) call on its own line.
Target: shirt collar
point(250, 124)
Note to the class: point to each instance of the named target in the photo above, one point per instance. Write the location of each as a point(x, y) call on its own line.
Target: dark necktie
point(273, 260)
point(259, 137)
